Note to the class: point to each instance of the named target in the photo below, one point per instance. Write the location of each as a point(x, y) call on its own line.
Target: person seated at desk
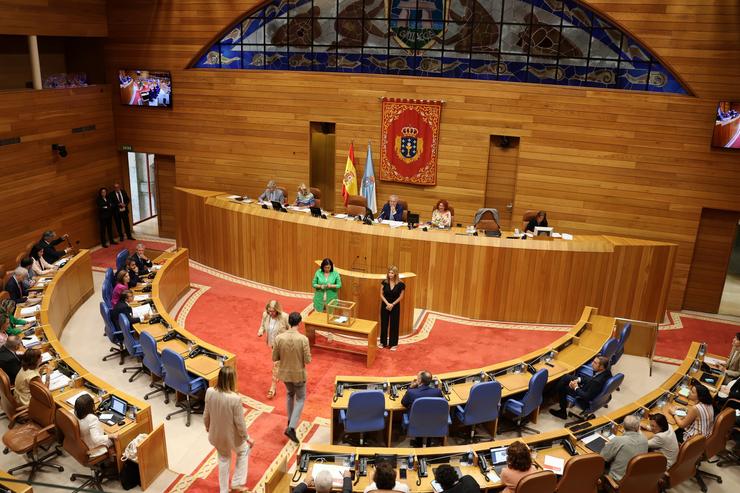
point(441, 215)
point(582, 388)
point(518, 465)
point(732, 365)
point(699, 418)
point(142, 261)
point(663, 439)
point(122, 280)
point(47, 244)
point(123, 306)
point(272, 193)
point(40, 266)
point(27, 263)
point(15, 325)
point(323, 483)
point(133, 273)
point(450, 482)
point(384, 479)
point(420, 387)
point(539, 220)
point(91, 432)
point(304, 198)
point(15, 288)
point(621, 449)
point(10, 358)
point(31, 369)
point(391, 210)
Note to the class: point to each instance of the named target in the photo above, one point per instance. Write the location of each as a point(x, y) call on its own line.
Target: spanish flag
point(349, 181)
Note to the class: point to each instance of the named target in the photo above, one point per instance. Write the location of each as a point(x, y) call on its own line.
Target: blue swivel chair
point(177, 378)
point(114, 335)
point(602, 400)
point(607, 350)
point(529, 403)
point(153, 365)
point(623, 336)
point(482, 407)
point(121, 259)
point(107, 287)
point(365, 412)
point(429, 417)
point(132, 347)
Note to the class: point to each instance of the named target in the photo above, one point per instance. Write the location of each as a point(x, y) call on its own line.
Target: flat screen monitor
point(145, 88)
point(727, 126)
point(118, 405)
point(542, 231)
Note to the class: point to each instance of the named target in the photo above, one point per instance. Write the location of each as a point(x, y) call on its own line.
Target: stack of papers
point(393, 224)
point(141, 310)
point(58, 380)
point(554, 464)
point(142, 297)
point(30, 311)
point(46, 357)
point(71, 400)
point(30, 341)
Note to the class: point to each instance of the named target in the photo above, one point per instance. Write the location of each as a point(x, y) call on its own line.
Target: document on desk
point(58, 380)
point(554, 464)
point(713, 361)
point(141, 310)
point(71, 400)
point(393, 224)
point(30, 311)
point(337, 472)
point(46, 357)
point(566, 236)
point(341, 319)
point(492, 476)
point(142, 297)
point(30, 341)
point(341, 216)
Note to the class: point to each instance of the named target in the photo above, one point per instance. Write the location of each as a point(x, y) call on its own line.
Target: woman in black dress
point(391, 294)
point(105, 216)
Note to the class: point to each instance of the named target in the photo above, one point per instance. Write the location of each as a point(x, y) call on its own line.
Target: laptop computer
point(116, 411)
point(498, 459)
point(276, 205)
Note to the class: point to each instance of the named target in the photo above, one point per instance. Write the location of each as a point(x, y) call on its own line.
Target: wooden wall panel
point(54, 17)
point(599, 161)
point(165, 166)
point(42, 190)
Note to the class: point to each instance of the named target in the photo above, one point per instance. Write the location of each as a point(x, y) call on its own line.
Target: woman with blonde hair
point(274, 322)
point(227, 431)
point(304, 198)
point(391, 294)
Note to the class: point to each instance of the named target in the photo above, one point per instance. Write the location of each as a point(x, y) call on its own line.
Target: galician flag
point(368, 182)
point(349, 182)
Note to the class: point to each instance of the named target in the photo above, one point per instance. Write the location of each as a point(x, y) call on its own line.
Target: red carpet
point(674, 343)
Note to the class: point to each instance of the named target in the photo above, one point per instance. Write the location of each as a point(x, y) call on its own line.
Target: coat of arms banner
point(409, 141)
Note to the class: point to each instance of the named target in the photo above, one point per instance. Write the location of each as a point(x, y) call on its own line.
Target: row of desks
point(467, 457)
point(579, 346)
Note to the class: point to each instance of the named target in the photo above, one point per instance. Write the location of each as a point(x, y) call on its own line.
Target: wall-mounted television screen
point(727, 126)
point(145, 88)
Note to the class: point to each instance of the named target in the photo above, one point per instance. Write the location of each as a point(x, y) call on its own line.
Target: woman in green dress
point(17, 325)
point(326, 284)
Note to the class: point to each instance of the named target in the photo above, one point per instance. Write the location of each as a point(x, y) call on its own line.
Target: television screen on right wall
point(727, 126)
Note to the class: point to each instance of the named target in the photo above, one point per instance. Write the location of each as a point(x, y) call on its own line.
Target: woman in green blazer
point(326, 284)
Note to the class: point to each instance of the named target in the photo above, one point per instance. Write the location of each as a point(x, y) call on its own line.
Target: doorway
point(730, 303)
point(323, 154)
point(503, 162)
point(143, 186)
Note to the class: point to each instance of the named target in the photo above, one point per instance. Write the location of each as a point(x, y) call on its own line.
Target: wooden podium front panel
point(476, 277)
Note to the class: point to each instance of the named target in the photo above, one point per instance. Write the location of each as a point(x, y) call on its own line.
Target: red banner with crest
point(409, 141)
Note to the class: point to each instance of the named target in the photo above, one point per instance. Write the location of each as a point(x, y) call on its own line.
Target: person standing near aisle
point(391, 294)
point(326, 284)
point(105, 218)
point(120, 201)
point(292, 351)
point(227, 431)
point(274, 322)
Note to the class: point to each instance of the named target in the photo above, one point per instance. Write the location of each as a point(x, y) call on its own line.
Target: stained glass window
point(540, 41)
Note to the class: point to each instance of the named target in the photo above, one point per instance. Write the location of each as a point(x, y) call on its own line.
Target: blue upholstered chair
point(429, 417)
point(482, 407)
point(177, 378)
point(602, 400)
point(623, 336)
point(607, 351)
point(107, 287)
point(132, 347)
point(530, 402)
point(121, 259)
point(153, 365)
point(365, 412)
point(114, 335)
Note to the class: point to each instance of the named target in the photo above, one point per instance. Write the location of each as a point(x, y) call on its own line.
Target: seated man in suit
point(421, 387)
point(323, 483)
point(47, 244)
point(272, 193)
point(582, 388)
point(10, 360)
point(142, 261)
point(450, 482)
point(15, 286)
point(123, 306)
point(391, 210)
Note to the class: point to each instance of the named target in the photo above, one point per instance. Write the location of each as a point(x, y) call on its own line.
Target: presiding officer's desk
point(171, 282)
point(62, 295)
point(548, 443)
point(578, 347)
point(478, 277)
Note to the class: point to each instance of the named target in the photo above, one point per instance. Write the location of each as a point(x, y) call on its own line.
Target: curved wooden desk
point(548, 443)
point(479, 277)
point(67, 290)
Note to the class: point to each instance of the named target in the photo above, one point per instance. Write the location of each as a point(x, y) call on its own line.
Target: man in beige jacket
point(291, 349)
